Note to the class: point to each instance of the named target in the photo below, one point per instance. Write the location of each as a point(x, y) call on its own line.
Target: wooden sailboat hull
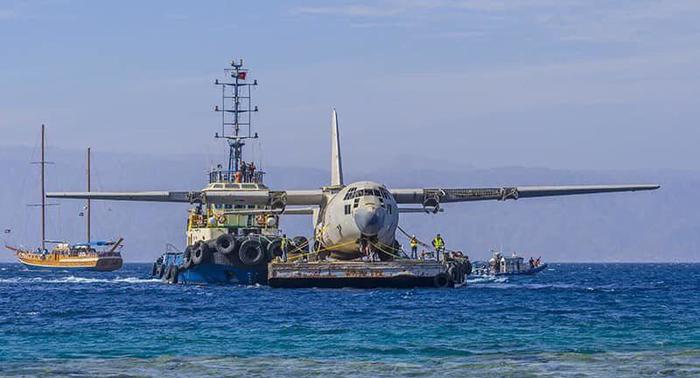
point(51, 261)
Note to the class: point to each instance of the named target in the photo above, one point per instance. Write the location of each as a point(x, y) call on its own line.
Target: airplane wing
point(126, 196)
point(235, 197)
point(433, 197)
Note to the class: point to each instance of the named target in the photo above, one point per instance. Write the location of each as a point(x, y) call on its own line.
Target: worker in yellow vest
point(414, 246)
point(439, 245)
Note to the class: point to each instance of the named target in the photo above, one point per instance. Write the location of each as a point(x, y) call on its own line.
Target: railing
point(236, 177)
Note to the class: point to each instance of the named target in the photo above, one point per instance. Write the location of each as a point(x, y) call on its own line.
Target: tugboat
point(92, 255)
point(230, 243)
point(501, 265)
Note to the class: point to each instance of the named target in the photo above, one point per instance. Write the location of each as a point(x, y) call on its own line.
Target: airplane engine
point(431, 202)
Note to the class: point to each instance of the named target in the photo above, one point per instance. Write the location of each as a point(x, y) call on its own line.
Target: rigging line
point(422, 243)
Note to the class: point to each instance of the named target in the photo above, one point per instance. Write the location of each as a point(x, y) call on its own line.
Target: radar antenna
point(236, 127)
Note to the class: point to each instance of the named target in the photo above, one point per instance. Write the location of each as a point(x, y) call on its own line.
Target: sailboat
point(91, 255)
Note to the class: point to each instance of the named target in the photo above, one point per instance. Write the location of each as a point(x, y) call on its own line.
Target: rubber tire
point(166, 273)
point(160, 271)
point(442, 280)
point(454, 272)
point(251, 252)
point(201, 254)
point(225, 244)
point(274, 249)
point(173, 273)
point(187, 258)
point(301, 243)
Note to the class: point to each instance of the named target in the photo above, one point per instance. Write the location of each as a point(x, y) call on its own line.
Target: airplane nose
point(369, 219)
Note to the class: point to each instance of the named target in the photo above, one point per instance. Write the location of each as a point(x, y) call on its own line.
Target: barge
point(402, 273)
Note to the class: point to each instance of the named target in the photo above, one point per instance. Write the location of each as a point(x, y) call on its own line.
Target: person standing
point(414, 247)
point(251, 169)
point(285, 247)
point(439, 245)
point(244, 171)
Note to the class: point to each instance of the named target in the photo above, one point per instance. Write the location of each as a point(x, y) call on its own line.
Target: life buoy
point(260, 218)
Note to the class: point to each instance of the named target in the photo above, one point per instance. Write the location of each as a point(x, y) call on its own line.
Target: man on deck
point(414, 247)
point(439, 245)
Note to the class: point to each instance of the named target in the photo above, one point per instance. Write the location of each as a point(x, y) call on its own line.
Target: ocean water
point(571, 320)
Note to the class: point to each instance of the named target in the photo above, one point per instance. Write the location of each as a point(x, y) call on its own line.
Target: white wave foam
point(79, 280)
point(487, 279)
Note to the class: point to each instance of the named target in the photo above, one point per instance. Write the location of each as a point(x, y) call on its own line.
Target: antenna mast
point(236, 109)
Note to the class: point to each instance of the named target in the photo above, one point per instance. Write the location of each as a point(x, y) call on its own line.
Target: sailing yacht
point(91, 255)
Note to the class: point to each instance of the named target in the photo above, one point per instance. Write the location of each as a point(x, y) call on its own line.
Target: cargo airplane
point(350, 220)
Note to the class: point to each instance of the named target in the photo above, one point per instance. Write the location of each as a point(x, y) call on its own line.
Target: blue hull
point(223, 274)
point(217, 272)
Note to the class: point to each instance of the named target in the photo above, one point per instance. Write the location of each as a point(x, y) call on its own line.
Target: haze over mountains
point(646, 226)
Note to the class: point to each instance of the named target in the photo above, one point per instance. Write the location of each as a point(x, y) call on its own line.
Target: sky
point(562, 84)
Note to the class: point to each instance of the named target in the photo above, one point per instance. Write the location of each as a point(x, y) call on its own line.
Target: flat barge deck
point(363, 274)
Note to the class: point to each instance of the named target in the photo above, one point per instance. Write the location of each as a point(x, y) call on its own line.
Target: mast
point(236, 110)
point(87, 207)
point(43, 187)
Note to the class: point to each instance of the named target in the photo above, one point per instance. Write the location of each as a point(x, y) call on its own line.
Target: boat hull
point(100, 264)
point(219, 271)
point(528, 272)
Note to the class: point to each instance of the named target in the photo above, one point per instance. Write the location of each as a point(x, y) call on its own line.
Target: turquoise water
point(572, 319)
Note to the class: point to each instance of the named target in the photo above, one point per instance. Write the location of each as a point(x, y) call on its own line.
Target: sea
point(571, 320)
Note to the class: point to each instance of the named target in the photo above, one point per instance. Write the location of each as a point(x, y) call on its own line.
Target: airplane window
point(350, 194)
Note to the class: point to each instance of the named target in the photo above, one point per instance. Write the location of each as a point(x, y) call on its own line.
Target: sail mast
point(88, 201)
point(43, 188)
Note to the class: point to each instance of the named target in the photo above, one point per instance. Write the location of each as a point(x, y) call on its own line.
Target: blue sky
point(547, 83)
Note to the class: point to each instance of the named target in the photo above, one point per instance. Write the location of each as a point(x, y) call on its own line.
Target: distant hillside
point(649, 226)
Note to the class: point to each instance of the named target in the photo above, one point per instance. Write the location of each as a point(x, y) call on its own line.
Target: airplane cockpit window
point(350, 194)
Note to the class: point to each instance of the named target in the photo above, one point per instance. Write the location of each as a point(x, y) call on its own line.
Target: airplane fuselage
point(362, 214)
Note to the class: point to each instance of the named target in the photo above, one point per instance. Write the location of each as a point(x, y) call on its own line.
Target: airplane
point(350, 220)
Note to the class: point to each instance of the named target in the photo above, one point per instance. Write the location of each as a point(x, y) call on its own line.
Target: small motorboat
point(500, 265)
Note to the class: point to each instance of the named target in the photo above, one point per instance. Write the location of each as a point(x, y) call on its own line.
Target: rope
point(379, 246)
point(409, 236)
point(320, 250)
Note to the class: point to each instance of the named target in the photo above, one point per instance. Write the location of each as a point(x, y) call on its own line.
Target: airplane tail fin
point(336, 160)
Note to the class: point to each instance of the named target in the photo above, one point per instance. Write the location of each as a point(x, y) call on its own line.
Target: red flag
point(242, 75)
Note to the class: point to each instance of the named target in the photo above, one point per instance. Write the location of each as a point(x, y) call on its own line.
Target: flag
point(242, 75)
